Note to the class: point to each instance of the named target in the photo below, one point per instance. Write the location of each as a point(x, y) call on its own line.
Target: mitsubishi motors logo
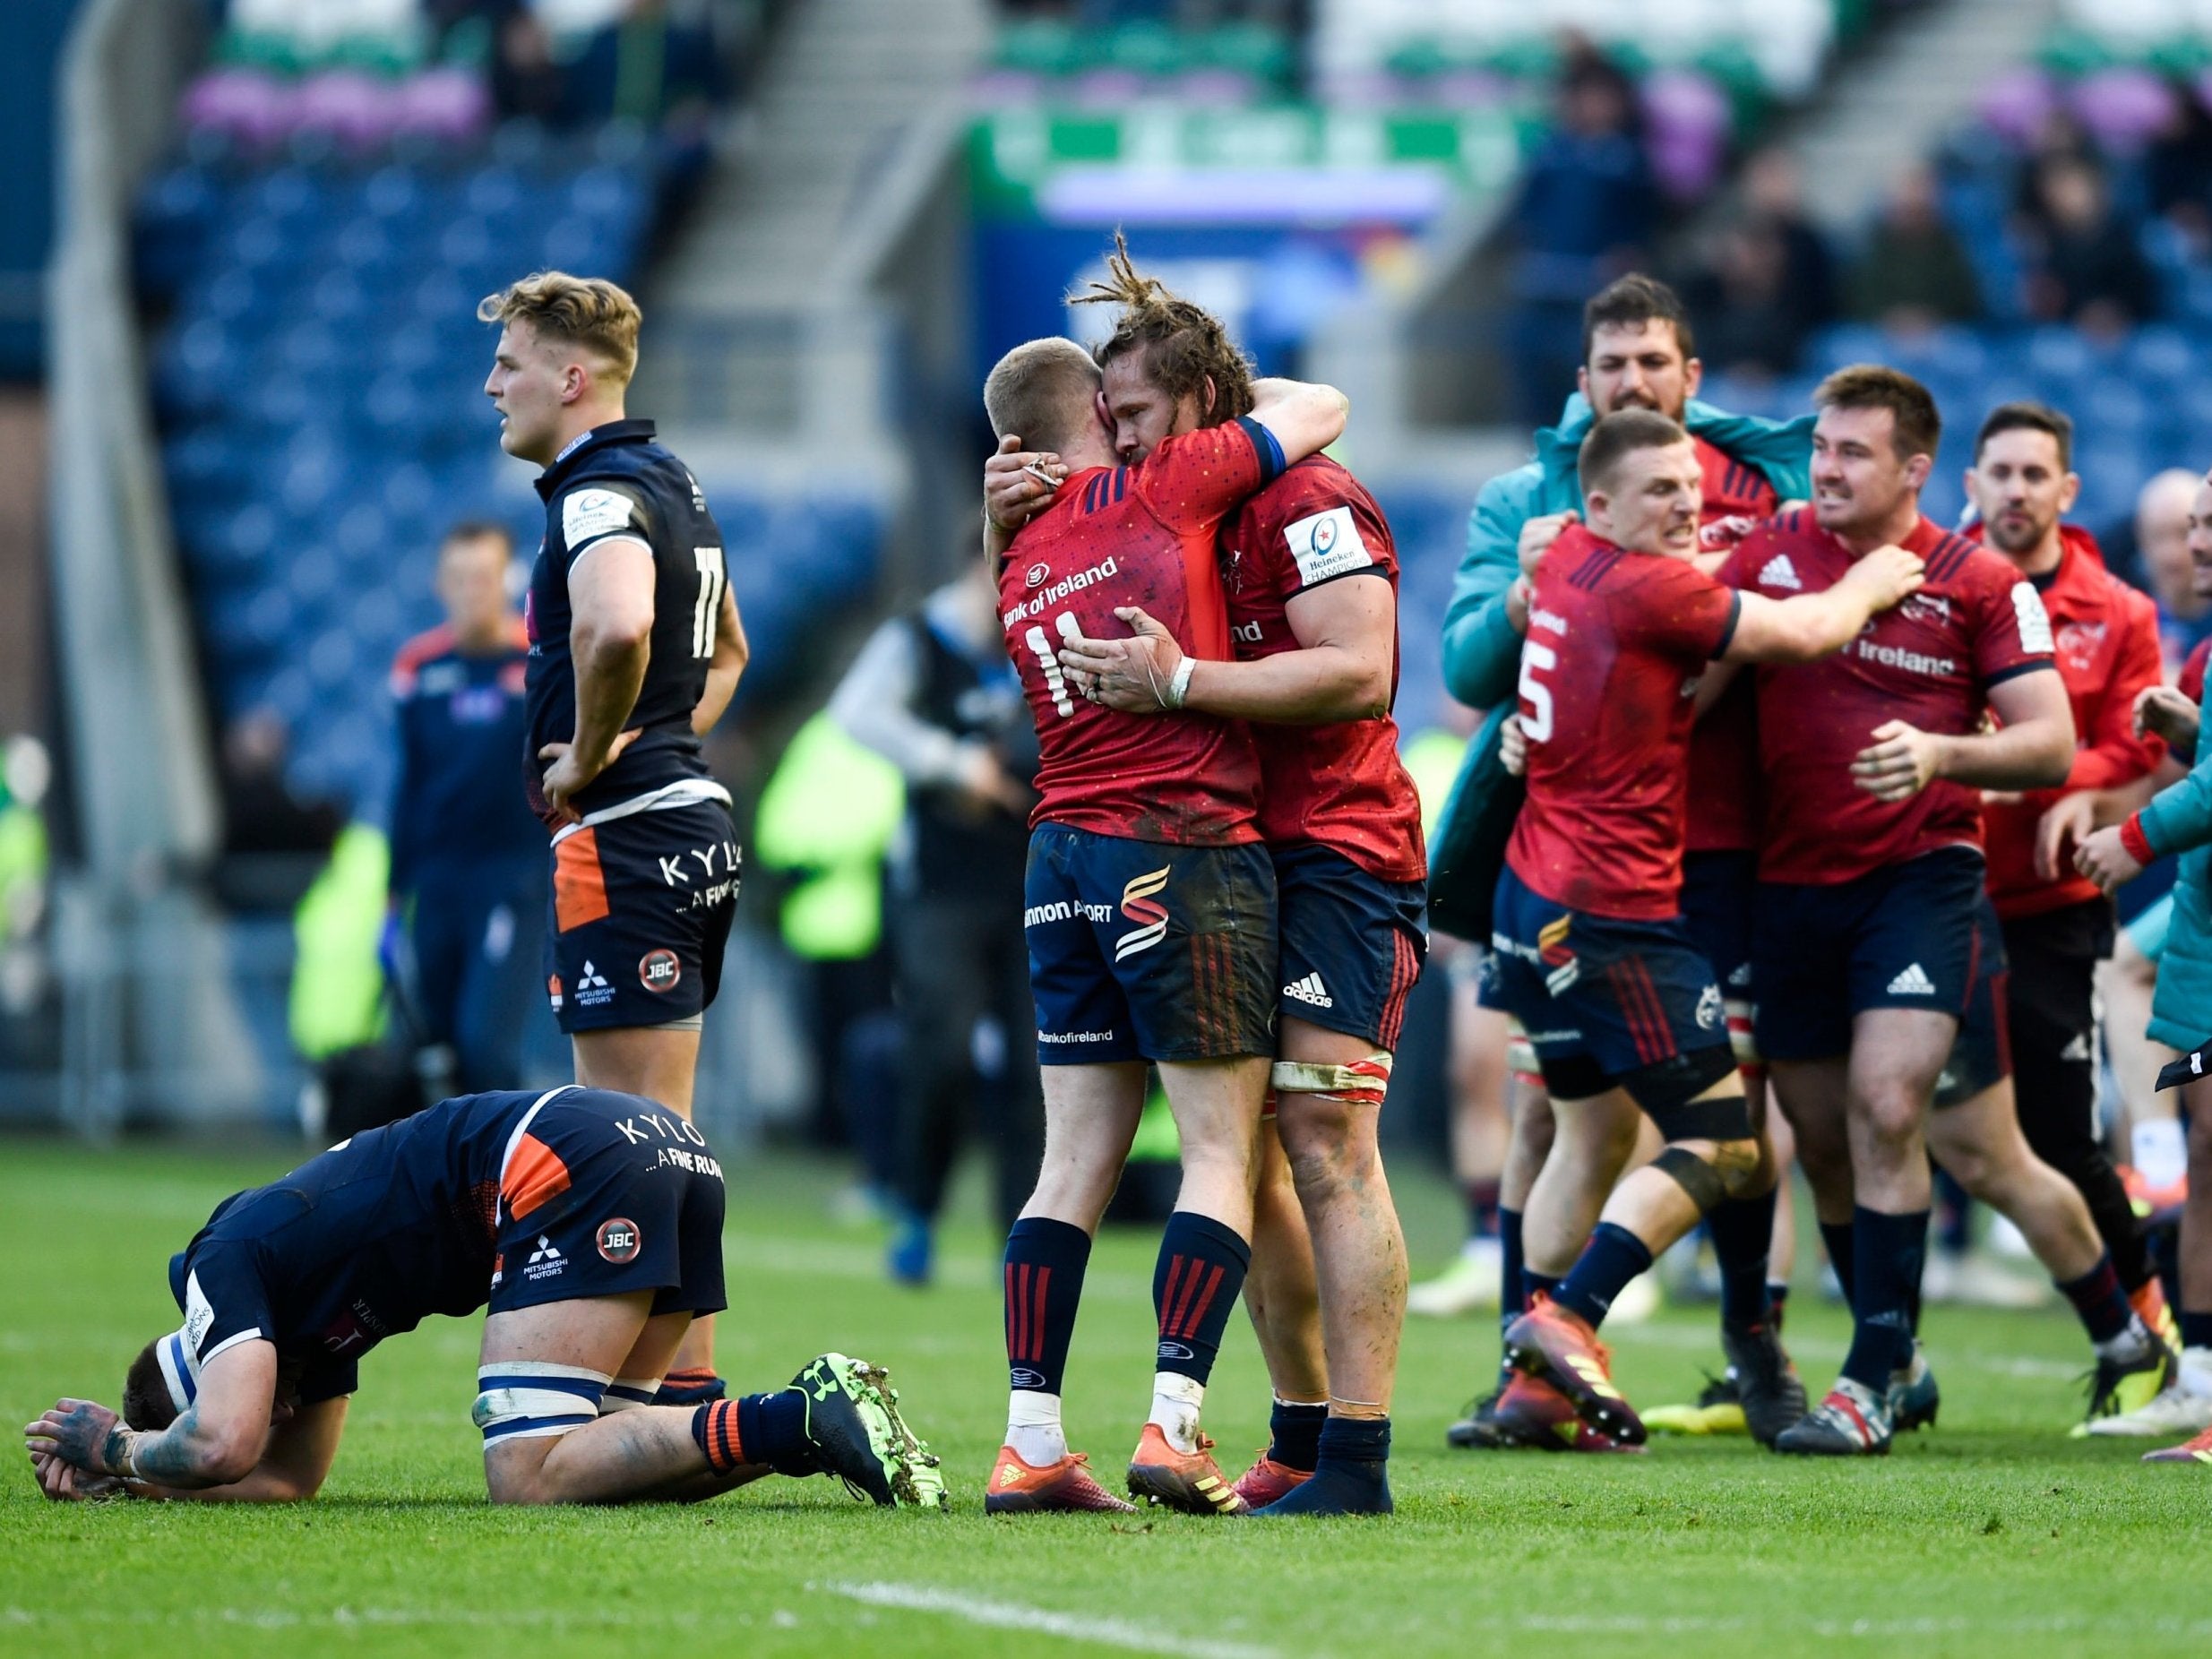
point(592, 990)
point(546, 1261)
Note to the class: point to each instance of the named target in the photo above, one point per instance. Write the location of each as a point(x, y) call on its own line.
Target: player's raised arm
point(1814, 624)
point(1302, 418)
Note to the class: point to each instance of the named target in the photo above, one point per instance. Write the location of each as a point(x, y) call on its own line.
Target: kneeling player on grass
point(1593, 957)
point(592, 1222)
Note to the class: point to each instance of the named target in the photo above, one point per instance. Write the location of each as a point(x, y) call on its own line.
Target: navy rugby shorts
point(1353, 944)
point(1143, 950)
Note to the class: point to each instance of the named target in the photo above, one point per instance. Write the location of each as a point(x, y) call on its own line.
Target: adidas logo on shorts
point(1779, 572)
point(1912, 982)
point(1311, 990)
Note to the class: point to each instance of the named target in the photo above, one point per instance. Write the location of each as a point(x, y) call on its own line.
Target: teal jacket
point(2179, 820)
point(1482, 650)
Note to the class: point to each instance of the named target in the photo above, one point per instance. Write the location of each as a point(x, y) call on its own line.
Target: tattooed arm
point(218, 1441)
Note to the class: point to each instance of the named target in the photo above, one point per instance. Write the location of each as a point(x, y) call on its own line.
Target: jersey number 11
point(707, 612)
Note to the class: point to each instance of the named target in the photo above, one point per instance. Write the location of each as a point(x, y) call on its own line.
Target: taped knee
point(627, 1393)
point(529, 1399)
point(1694, 1176)
point(1669, 1094)
point(1363, 1083)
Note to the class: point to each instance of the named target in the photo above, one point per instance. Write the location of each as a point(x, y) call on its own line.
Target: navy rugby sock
point(758, 1428)
point(1353, 1476)
point(1743, 1236)
point(1044, 1263)
point(1196, 1281)
point(1533, 1284)
point(1485, 1214)
point(1294, 1434)
point(1777, 1302)
point(2100, 1301)
point(1612, 1257)
point(1888, 1253)
point(1513, 1291)
point(1837, 1236)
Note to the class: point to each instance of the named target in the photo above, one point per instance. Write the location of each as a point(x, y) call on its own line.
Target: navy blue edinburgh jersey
point(372, 1237)
point(461, 719)
point(616, 481)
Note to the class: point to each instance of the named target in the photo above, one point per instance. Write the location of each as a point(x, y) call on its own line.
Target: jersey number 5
point(1536, 721)
point(707, 610)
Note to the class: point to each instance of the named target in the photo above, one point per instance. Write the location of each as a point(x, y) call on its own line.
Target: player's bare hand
point(1516, 601)
point(571, 772)
point(1012, 489)
point(1901, 761)
point(1513, 746)
point(1539, 534)
point(2066, 825)
point(2104, 857)
point(64, 1482)
point(2161, 711)
point(1129, 674)
point(76, 1432)
point(1886, 575)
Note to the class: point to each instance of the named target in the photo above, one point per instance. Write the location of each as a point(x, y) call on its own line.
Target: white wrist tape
point(1179, 683)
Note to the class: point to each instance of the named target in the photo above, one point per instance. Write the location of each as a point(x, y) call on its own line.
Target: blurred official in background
point(933, 693)
point(468, 855)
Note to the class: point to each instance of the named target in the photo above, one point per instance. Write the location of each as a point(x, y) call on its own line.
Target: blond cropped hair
point(589, 312)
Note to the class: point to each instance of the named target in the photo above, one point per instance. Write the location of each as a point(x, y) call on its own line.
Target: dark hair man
point(635, 649)
point(1638, 354)
point(1150, 908)
point(467, 857)
point(1867, 934)
point(1311, 578)
point(591, 1221)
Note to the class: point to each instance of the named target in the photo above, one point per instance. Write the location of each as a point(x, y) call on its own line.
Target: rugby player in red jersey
point(1594, 957)
point(2057, 925)
point(1871, 924)
point(1150, 909)
point(1317, 673)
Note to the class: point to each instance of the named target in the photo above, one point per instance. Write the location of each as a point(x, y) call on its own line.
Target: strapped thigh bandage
point(529, 1399)
point(1363, 1083)
point(624, 1393)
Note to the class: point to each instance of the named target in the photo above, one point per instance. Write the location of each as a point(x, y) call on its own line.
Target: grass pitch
point(1991, 1534)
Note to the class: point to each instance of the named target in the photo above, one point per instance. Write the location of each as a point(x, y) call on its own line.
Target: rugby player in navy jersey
point(467, 858)
point(1149, 906)
point(590, 1221)
point(1310, 575)
point(635, 650)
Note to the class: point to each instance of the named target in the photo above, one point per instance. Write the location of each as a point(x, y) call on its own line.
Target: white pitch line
point(1014, 1616)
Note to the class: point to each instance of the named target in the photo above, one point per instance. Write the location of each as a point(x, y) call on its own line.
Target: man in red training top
point(1593, 956)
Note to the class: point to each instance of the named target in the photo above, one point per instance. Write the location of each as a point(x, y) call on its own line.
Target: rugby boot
point(1557, 1345)
point(854, 1433)
point(1852, 1422)
point(1914, 1396)
point(2118, 1387)
point(1767, 1387)
point(1533, 1416)
point(2183, 1408)
point(1268, 1480)
point(1065, 1487)
point(1478, 1428)
point(1718, 1409)
point(2198, 1450)
point(1191, 1482)
point(2148, 1300)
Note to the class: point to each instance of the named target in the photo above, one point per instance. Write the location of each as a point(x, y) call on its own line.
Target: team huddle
point(1785, 795)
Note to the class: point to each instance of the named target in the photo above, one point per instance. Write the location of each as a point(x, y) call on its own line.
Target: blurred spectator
point(2177, 166)
point(2089, 272)
point(468, 880)
point(1914, 272)
point(260, 814)
point(2163, 564)
point(1586, 210)
point(932, 693)
point(1748, 318)
point(1774, 196)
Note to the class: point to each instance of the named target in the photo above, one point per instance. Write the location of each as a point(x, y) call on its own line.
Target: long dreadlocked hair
point(1183, 345)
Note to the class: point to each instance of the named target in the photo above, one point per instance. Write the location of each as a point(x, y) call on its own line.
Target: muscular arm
point(725, 668)
point(1304, 419)
point(218, 1441)
point(2032, 750)
point(291, 1469)
point(611, 599)
point(1812, 626)
point(1341, 670)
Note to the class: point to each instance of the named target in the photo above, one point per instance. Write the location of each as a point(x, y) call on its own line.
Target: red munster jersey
point(1609, 673)
point(1725, 783)
point(1137, 535)
point(2106, 635)
point(1929, 662)
point(1339, 785)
